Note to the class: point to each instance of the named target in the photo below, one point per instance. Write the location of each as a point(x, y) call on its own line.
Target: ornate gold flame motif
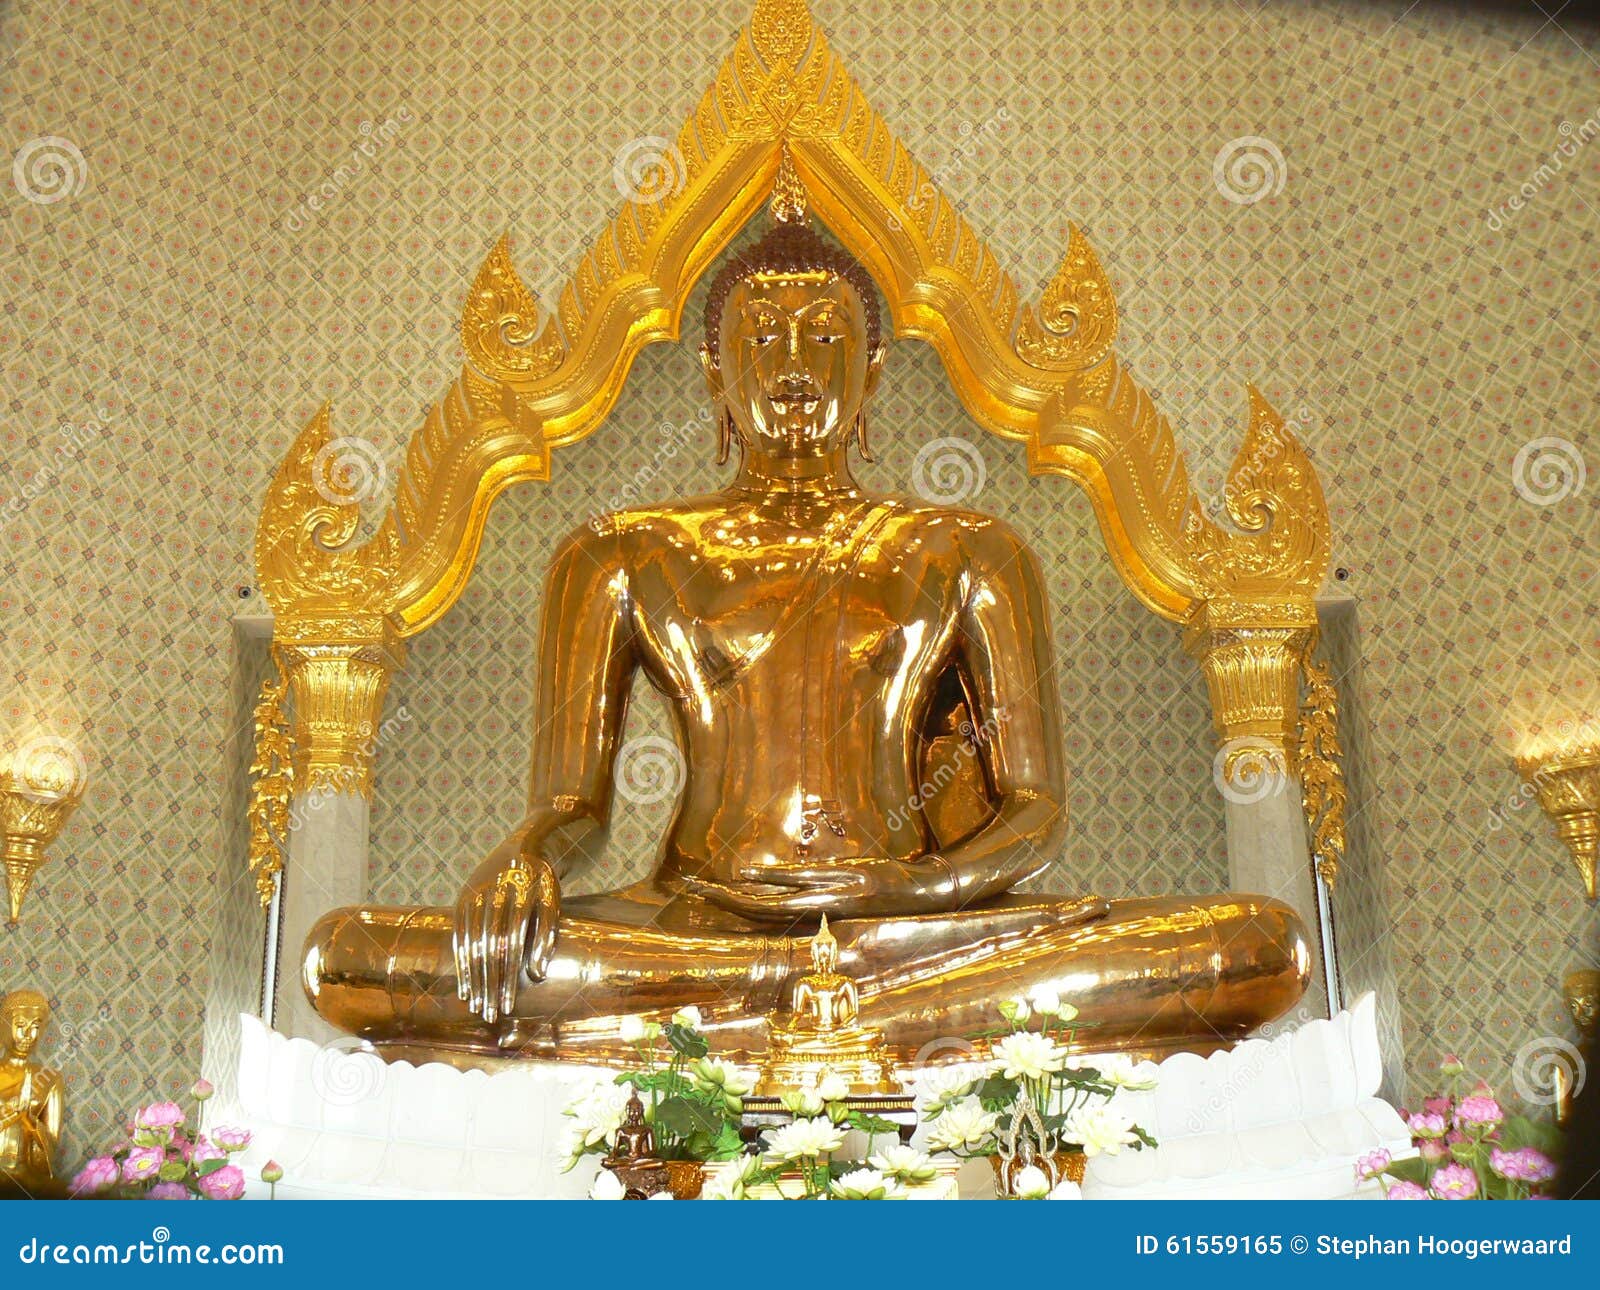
point(272, 782)
point(1042, 374)
point(1321, 776)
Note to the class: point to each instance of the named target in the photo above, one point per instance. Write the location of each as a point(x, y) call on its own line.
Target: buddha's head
point(23, 1016)
point(792, 349)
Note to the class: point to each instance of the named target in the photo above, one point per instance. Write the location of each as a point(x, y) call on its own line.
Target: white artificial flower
point(1066, 1189)
point(962, 1126)
point(1067, 1012)
point(597, 1114)
point(713, 1072)
point(1029, 1056)
point(1118, 1069)
point(903, 1162)
point(832, 1088)
point(1044, 1001)
point(632, 1030)
point(689, 1018)
point(607, 1186)
point(801, 1101)
point(1015, 1010)
point(938, 1087)
point(732, 1180)
point(816, 1136)
point(862, 1184)
point(1103, 1128)
point(1031, 1183)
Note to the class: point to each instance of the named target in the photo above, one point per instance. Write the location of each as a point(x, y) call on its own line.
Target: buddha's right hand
point(506, 918)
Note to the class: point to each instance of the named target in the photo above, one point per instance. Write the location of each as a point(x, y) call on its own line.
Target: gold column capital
point(338, 687)
point(1251, 654)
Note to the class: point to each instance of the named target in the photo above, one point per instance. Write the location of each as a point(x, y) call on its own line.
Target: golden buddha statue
point(30, 1094)
point(820, 1033)
point(817, 643)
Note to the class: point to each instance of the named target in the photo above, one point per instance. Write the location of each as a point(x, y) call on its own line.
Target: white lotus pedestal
point(1279, 1118)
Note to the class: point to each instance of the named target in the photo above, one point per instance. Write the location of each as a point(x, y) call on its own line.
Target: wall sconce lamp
point(1567, 781)
point(41, 784)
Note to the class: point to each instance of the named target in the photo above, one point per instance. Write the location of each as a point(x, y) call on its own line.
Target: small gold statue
point(821, 1033)
point(1580, 991)
point(30, 1094)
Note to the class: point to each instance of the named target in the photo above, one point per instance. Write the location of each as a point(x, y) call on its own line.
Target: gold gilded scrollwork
point(1076, 320)
point(1322, 787)
point(272, 781)
point(1041, 374)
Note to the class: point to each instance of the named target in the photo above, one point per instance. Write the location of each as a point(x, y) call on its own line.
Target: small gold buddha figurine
point(30, 1094)
point(821, 1032)
point(633, 1156)
point(1580, 991)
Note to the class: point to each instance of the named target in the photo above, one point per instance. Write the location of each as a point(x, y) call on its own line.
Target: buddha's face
point(22, 1028)
point(793, 365)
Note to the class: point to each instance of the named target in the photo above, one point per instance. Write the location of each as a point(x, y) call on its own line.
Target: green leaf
point(206, 1167)
point(683, 1117)
point(1520, 1131)
point(997, 1088)
point(871, 1124)
point(727, 1144)
point(1414, 1170)
point(685, 1041)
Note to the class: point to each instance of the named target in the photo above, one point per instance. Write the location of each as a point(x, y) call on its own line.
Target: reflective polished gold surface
point(814, 642)
point(31, 1095)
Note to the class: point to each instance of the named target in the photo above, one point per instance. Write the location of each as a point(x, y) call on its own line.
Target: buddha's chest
point(852, 616)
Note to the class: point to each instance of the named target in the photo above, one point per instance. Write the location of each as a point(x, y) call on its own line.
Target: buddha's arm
point(508, 911)
point(1007, 660)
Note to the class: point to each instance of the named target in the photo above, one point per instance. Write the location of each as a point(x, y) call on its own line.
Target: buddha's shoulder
point(975, 532)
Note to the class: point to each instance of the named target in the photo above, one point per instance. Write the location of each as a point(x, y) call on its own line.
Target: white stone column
point(326, 868)
point(1269, 855)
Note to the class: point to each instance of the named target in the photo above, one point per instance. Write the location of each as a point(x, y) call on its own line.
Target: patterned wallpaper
point(1384, 216)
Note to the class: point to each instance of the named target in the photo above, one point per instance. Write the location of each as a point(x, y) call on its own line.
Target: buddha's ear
point(713, 374)
point(874, 370)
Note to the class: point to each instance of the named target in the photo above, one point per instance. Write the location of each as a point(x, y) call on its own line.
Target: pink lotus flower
point(203, 1151)
point(1528, 1165)
point(158, 1115)
point(1454, 1182)
point(1438, 1106)
point(1477, 1114)
point(202, 1091)
point(231, 1140)
point(226, 1183)
point(143, 1163)
point(167, 1191)
point(1452, 1065)
point(1434, 1150)
point(1406, 1191)
point(1428, 1124)
point(100, 1174)
point(1372, 1164)
point(272, 1172)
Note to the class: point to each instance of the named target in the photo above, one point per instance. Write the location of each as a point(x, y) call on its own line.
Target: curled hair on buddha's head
point(791, 245)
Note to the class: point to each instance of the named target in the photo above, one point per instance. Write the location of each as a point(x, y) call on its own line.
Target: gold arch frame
point(1044, 374)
